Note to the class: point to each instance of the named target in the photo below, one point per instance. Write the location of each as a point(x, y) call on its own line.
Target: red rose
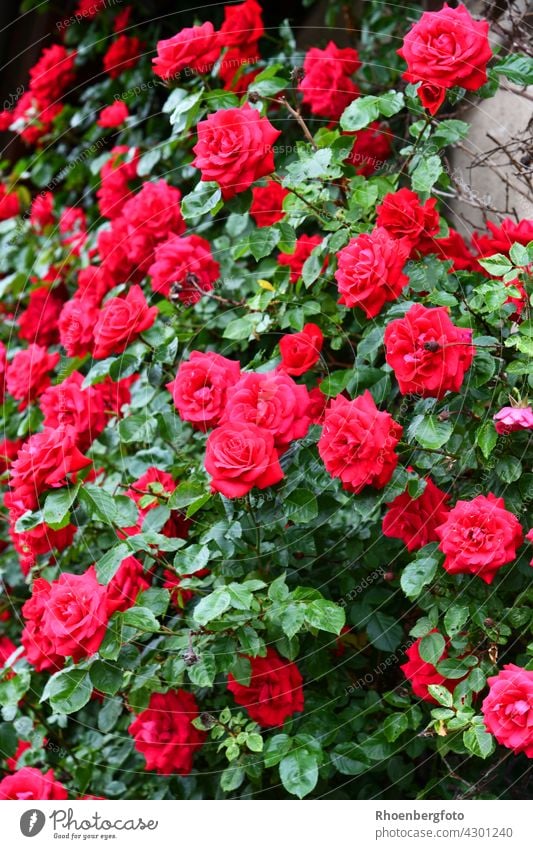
point(40, 540)
point(447, 48)
point(431, 96)
point(479, 537)
point(76, 326)
point(429, 354)
point(33, 117)
point(267, 203)
point(42, 211)
point(9, 203)
point(358, 441)
point(420, 673)
point(239, 457)
point(116, 175)
point(195, 48)
point(502, 238)
point(164, 732)
point(126, 585)
point(38, 322)
point(116, 395)
point(6, 650)
point(404, 217)
point(39, 647)
point(414, 520)
point(234, 148)
point(243, 24)
point(275, 691)
point(369, 271)
point(200, 387)
point(510, 419)
point(68, 404)
point(46, 461)
point(151, 216)
point(317, 405)
point(185, 266)
point(113, 251)
point(508, 708)
point(90, 8)
point(301, 351)
point(9, 449)
point(150, 491)
point(326, 86)
point(75, 618)
point(122, 54)
point(303, 248)
point(28, 374)
point(271, 400)
point(452, 247)
point(120, 321)
point(231, 67)
point(371, 149)
point(30, 783)
point(73, 226)
point(114, 115)
point(52, 74)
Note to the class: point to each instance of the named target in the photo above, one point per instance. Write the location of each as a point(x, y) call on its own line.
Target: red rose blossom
point(29, 783)
point(46, 461)
point(38, 322)
point(68, 403)
point(369, 271)
point(114, 115)
point(301, 351)
point(327, 86)
point(479, 537)
point(126, 585)
point(28, 374)
point(275, 691)
point(234, 148)
point(75, 618)
point(195, 48)
point(42, 211)
point(120, 321)
point(404, 217)
point(415, 520)
point(240, 456)
point(39, 645)
point(421, 674)
point(431, 96)
point(9, 203)
point(200, 388)
point(185, 266)
point(271, 400)
point(429, 354)
point(510, 419)
point(39, 540)
point(52, 74)
point(358, 441)
point(303, 248)
point(508, 708)
point(371, 149)
point(121, 55)
point(150, 491)
point(267, 203)
point(164, 732)
point(447, 48)
point(243, 24)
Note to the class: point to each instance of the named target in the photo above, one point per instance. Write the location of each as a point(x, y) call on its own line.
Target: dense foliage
point(267, 457)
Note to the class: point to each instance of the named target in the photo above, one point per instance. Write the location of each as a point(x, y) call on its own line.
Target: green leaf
point(384, 631)
point(137, 428)
point(478, 741)
point(202, 673)
point(394, 725)
point(275, 749)
point(417, 575)
point(109, 563)
point(191, 559)
point(454, 619)
point(301, 506)
point(255, 742)
point(141, 618)
point(106, 677)
point(519, 254)
point(263, 241)
point(362, 111)
point(232, 778)
point(336, 382)
point(497, 265)
point(212, 606)
point(432, 647)
point(58, 503)
point(241, 328)
point(186, 493)
point(486, 438)
point(325, 615)
point(299, 772)
point(517, 68)
point(426, 173)
point(441, 694)
point(429, 432)
point(509, 469)
point(108, 714)
point(205, 197)
point(69, 690)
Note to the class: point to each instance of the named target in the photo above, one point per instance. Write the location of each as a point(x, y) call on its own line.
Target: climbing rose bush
point(266, 449)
